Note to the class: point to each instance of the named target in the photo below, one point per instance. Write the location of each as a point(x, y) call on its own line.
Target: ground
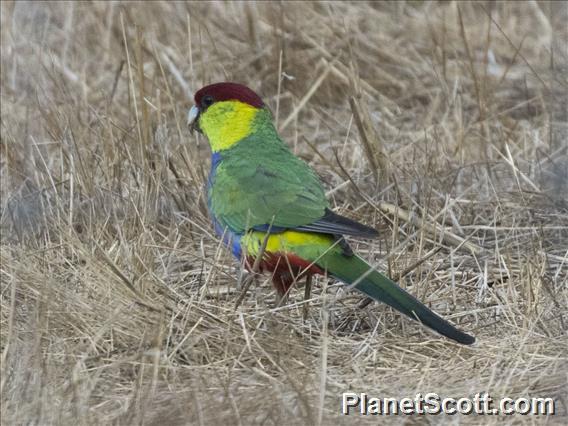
point(441, 124)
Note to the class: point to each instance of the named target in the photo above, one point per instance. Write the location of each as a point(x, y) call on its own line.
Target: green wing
point(260, 183)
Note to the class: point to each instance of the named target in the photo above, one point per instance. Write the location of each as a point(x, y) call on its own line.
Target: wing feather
point(263, 185)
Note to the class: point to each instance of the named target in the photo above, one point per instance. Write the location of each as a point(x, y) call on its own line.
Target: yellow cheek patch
point(225, 123)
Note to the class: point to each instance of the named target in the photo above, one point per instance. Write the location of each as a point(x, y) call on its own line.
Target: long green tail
point(378, 287)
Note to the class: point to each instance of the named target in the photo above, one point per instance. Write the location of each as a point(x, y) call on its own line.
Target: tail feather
point(380, 288)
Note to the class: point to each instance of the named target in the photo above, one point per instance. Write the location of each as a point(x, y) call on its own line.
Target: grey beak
point(193, 119)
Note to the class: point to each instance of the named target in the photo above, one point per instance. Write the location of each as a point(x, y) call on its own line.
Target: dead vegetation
point(442, 124)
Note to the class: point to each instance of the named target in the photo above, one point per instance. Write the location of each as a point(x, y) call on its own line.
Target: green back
point(260, 182)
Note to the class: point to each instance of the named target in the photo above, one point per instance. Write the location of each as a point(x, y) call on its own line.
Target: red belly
point(286, 269)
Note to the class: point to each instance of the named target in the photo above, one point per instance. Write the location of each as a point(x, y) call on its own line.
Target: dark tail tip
point(461, 337)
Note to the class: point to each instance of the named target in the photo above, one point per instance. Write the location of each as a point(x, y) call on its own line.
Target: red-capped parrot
point(258, 186)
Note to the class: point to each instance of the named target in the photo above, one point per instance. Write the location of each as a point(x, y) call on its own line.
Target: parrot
point(267, 203)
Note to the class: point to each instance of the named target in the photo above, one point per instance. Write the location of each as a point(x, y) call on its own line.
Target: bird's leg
point(282, 299)
point(282, 282)
point(307, 296)
point(249, 279)
point(244, 284)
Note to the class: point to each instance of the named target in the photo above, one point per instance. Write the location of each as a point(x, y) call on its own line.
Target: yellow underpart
point(287, 241)
point(225, 123)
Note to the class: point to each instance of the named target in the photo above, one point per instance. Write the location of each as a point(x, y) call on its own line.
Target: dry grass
point(435, 122)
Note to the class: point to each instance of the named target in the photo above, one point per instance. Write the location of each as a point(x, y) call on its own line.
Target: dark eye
point(207, 101)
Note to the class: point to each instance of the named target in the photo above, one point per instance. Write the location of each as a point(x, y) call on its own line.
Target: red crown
point(229, 92)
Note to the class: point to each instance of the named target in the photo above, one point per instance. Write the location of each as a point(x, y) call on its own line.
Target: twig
point(307, 296)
